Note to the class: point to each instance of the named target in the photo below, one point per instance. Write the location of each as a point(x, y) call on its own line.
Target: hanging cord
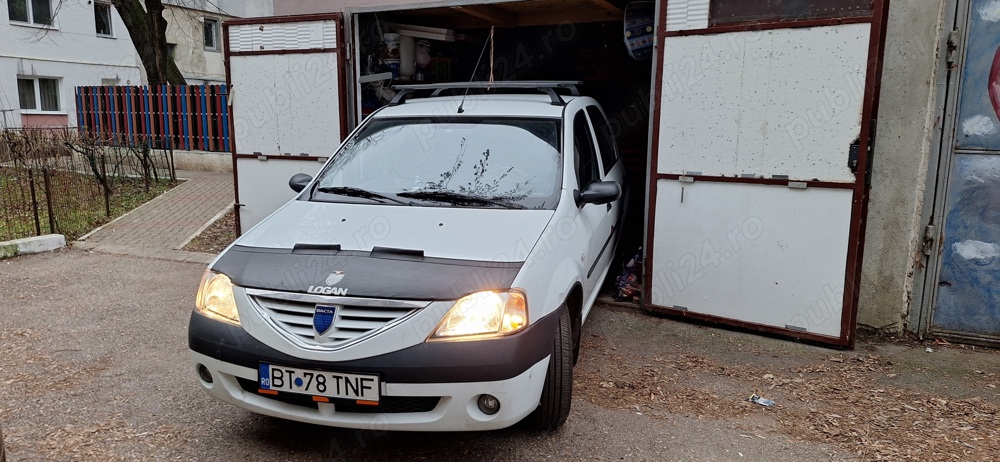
point(492, 45)
point(378, 26)
point(461, 106)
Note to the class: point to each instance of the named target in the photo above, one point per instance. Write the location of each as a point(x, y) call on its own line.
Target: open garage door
point(758, 173)
point(602, 43)
point(286, 76)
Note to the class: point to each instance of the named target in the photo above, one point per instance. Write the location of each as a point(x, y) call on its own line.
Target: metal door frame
point(341, 49)
point(861, 185)
point(949, 82)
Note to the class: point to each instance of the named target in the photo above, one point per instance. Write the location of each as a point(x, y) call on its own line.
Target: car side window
point(584, 154)
point(609, 151)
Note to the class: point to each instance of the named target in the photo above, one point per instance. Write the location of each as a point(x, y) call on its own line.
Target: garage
point(532, 40)
point(747, 131)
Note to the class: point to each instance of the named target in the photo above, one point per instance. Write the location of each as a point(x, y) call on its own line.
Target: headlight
point(215, 298)
point(484, 314)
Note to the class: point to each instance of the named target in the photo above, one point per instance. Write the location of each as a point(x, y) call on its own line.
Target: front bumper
point(510, 368)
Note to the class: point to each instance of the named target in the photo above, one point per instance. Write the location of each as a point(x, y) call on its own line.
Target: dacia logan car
point(435, 274)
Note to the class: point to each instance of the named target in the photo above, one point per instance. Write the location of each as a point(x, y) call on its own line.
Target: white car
point(434, 276)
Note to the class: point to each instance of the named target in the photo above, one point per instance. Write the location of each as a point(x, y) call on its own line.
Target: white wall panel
point(283, 36)
point(764, 254)
point(772, 102)
point(687, 14)
point(286, 103)
point(263, 186)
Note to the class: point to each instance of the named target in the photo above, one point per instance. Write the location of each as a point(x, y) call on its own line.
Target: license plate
point(318, 383)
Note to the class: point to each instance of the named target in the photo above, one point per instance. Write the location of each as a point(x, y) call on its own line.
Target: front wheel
point(557, 393)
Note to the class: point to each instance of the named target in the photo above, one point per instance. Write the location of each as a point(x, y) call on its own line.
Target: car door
point(612, 169)
point(596, 221)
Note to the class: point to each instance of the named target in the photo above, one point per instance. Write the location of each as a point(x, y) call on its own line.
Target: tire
point(557, 393)
point(577, 330)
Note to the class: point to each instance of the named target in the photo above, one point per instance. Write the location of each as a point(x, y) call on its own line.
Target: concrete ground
point(95, 367)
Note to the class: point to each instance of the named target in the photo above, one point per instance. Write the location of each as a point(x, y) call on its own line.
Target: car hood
point(481, 234)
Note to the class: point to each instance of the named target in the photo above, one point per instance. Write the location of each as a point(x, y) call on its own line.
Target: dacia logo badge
point(334, 278)
point(323, 319)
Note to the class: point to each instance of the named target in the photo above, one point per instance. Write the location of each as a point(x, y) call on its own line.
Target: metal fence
point(188, 117)
point(69, 182)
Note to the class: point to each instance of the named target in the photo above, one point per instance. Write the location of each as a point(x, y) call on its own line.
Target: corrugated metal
point(283, 36)
point(687, 14)
point(182, 116)
point(737, 11)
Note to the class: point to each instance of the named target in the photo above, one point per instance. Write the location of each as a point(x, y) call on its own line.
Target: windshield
point(463, 162)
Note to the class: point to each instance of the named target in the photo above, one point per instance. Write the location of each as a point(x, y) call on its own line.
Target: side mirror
point(601, 192)
point(299, 181)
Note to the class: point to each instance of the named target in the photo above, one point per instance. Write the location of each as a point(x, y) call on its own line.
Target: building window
point(30, 11)
point(212, 34)
point(38, 94)
point(102, 19)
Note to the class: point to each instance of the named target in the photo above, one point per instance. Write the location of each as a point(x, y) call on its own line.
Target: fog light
point(489, 404)
point(204, 374)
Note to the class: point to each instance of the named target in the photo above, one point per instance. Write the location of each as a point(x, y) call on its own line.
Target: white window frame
point(111, 20)
point(38, 95)
point(31, 17)
point(215, 33)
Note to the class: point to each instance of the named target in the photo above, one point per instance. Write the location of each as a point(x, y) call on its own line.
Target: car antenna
point(489, 41)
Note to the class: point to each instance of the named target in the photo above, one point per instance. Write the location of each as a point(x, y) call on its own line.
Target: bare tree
point(147, 28)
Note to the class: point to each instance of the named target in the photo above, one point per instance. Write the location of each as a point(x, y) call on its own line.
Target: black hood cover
point(379, 274)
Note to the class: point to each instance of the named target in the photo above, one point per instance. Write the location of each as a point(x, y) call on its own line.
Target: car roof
point(517, 105)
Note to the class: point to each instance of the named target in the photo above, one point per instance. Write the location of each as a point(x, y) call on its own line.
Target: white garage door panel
point(769, 255)
point(263, 186)
point(772, 102)
point(252, 96)
point(286, 104)
point(312, 110)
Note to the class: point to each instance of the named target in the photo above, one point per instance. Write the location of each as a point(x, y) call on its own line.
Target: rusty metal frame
point(861, 185)
point(340, 50)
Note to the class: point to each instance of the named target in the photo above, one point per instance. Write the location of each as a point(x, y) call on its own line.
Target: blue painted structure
point(969, 283)
point(967, 301)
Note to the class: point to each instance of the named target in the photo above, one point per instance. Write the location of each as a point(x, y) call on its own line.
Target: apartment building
point(48, 47)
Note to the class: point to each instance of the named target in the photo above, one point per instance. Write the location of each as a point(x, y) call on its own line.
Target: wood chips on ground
point(837, 401)
point(216, 237)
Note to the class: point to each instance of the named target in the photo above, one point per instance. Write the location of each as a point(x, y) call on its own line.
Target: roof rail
point(544, 86)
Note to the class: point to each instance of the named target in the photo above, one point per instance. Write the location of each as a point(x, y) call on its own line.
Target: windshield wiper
point(358, 192)
point(457, 198)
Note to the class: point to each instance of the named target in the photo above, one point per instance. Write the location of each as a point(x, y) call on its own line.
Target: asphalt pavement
point(94, 366)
